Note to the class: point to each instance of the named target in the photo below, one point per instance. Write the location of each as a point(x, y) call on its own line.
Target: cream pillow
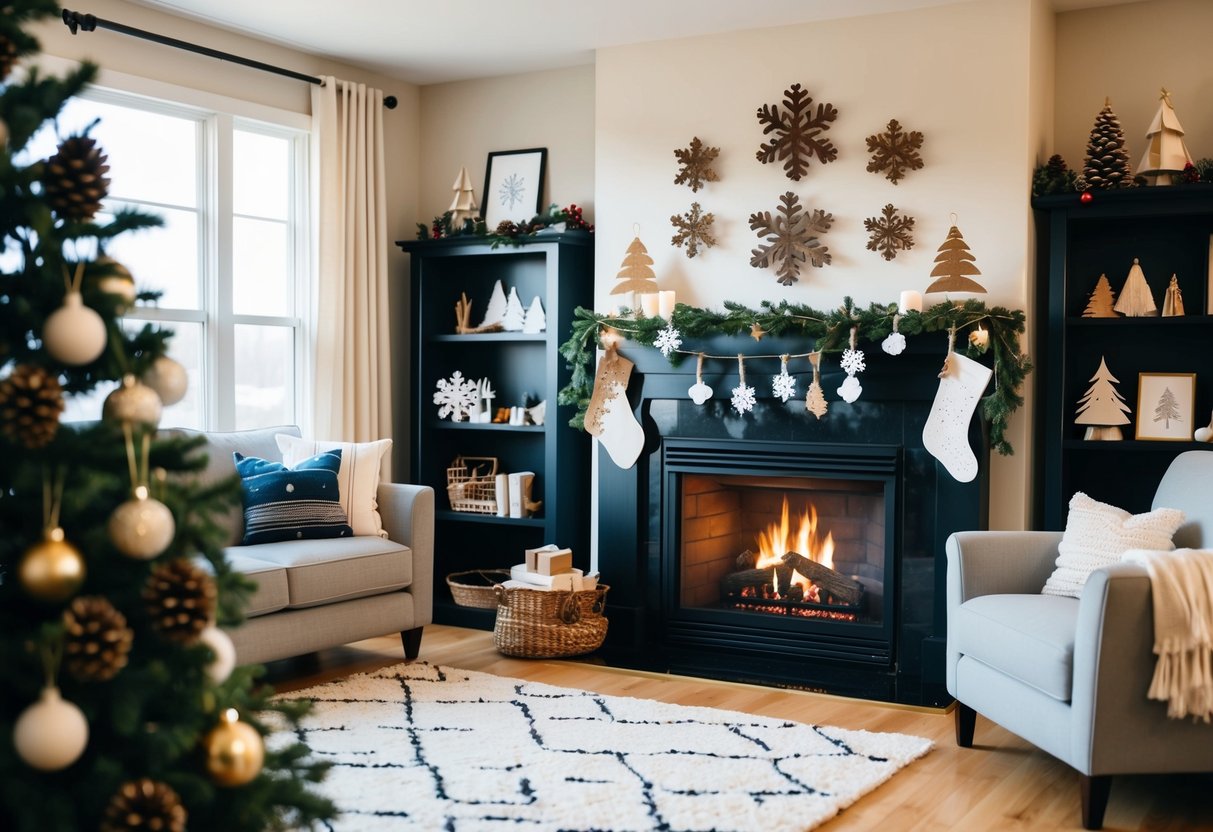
point(1097, 534)
point(357, 481)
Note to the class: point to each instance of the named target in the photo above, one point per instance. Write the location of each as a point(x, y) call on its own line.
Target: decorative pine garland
point(829, 330)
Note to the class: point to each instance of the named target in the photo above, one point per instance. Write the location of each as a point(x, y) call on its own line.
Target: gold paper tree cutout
point(953, 262)
point(815, 401)
point(696, 165)
point(894, 151)
point(636, 276)
point(889, 233)
point(694, 229)
point(1100, 304)
point(797, 132)
point(792, 238)
point(1102, 404)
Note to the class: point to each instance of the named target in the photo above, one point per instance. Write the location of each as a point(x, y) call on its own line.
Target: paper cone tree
point(1102, 404)
point(952, 265)
point(1166, 154)
point(1100, 304)
point(1135, 299)
point(463, 206)
point(636, 274)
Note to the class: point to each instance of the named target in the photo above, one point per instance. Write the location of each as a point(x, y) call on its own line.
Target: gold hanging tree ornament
point(637, 274)
point(1102, 299)
point(1173, 300)
point(815, 402)
point(1102, 408)
point(953, 265)
point(1136, 300)
point(1166, 154)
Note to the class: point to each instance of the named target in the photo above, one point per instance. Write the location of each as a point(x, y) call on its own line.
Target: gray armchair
point(1070, 675)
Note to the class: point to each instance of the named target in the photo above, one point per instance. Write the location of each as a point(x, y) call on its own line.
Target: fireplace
point(779, 549)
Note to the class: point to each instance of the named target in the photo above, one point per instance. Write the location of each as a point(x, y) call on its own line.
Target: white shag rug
point(425, 748)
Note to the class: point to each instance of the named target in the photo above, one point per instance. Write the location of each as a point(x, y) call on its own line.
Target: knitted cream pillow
point(1097, 534)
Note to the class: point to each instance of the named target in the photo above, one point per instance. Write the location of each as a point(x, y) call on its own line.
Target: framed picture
point(513, 185)
point(1165, 404)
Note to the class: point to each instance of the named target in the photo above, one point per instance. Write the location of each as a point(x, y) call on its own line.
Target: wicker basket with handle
point(542, 624)
point(471, 484)
point(474, 588)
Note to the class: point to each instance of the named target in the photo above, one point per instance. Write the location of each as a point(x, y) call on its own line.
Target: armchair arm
point(999, 563)
point(408, 517)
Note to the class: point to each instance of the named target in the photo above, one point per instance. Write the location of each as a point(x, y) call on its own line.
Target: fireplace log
point(844, 589)
point(734, 582)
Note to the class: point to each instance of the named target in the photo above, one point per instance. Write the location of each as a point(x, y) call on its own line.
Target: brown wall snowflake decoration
point(694, 229)
point(890, 232)
point(894, 151)
point(696, 165)
point(797, 130)
point(791, 237)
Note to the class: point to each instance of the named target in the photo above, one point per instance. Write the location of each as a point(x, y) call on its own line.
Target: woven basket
point(474, 588)
point(471, 484)
point(539, 624)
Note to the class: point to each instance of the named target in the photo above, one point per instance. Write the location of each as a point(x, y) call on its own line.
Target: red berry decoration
point(1086, 197)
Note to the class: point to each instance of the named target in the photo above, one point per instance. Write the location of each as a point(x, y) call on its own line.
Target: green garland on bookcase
point(830, 330)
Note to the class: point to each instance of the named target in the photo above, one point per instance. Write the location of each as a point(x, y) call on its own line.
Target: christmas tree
point(1166, 154)
point(1102, 407)
point(1102, 299)
point(636, 274)
point(119, 705)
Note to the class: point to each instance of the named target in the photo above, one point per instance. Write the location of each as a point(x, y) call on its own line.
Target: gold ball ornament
point(144, 804)
point(132, 401)
point(74, 333)
point(52, 569)
point(234, 751)
point(52, 733)
point(141, 527)
point(168, 378)
point(114, 279)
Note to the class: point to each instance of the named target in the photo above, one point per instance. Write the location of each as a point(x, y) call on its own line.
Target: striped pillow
point(296, 503)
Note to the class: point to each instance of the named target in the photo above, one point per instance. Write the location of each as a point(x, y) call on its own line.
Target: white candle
point(650, 304)
point(980, 338)
point(911, 301)
point(665, 303)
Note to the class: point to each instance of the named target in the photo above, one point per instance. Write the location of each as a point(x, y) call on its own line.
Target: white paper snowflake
point(895, 344)
point(668, 340)
point(852, 361)
point(783, 385)
point(743, 398)
point(850, 389)
point(457, 396)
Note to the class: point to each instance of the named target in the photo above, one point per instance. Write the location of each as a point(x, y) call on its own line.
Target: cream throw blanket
point(1182, 586)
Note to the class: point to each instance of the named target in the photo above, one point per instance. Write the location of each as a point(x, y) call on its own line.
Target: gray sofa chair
point(316, 594)
point(1070, 675)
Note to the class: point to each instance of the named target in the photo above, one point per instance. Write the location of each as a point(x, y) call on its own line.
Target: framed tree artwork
point(513, 185)
point(1165, 406)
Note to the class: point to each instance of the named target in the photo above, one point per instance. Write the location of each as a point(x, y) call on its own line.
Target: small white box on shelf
point(502, 492)
point(520, 493)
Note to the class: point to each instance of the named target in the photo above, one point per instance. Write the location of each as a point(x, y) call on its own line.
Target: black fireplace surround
point(893, 653)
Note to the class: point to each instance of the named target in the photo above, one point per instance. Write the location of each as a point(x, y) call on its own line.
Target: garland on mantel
point(830, 331)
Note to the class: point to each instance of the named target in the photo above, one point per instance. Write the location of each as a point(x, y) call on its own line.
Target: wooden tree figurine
point(636, 274)
point(1102, 408)
point(1136, 301)
point(494, 313)
point(953, 262)
point(463, 206)
point(515, 315)
point(1166, 154)
point(1100, 304)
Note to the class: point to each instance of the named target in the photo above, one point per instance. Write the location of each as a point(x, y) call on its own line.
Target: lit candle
point(665, 303)
point(911, 301)
point(650, 304)
point(980, 338)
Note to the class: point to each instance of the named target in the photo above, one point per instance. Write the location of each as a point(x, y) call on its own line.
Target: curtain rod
point(89, 22)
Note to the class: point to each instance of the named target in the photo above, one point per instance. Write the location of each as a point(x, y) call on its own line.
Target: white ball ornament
point(74, 333)
point(132, 401)
point(142, 527)
point(52, 733)
point(225, 654)
point(168, 378)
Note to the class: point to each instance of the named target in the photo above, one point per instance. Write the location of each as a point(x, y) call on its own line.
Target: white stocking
point(946, 434)
point(609, 416)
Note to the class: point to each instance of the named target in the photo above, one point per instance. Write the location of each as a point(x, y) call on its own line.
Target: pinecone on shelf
point(30, 403)
point(1107, 162)
point(144, 804)
point(8, 56)
point(74, 178)
point(96, 639)
point(180, 599)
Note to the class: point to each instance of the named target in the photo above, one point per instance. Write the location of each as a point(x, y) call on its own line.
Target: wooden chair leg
point(1094, 792)
point(966, 722)
point(411, 639)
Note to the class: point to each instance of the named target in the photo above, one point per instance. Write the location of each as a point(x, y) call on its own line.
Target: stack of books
point(550, 568)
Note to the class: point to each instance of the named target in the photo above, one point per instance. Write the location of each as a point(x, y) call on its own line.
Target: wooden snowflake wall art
point(797, 132)
point(791, 238)
point(696, 165)
point(890, 232)
point(894, 151)
point(694, 230)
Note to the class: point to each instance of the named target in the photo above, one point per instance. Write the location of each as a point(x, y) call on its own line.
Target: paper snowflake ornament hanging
point(797, 132)
point(791, 238)
point(456, 397)
point(889, 233)
point(783, 386)
point(853, 361)
point(894, 151)
point(696, 165)
point(743, 395)
point(694, 230)
point(668, 340)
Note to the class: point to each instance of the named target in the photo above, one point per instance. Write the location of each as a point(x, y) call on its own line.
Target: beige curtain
point(352, 391)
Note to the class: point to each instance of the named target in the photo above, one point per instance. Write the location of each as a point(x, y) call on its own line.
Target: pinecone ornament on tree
point(30, 403)
point(74, 178)
point(180, 599)
point(144, 804)
point(1107, 162)
point(96, 639)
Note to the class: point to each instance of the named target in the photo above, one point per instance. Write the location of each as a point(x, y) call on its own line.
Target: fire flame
point(778, 539)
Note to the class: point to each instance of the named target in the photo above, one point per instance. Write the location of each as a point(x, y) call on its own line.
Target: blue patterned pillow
point(297, 503)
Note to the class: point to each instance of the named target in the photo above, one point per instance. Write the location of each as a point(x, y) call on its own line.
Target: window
point(232, 256)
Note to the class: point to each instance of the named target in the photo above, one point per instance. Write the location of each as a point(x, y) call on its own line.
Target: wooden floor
point(1000, 783)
